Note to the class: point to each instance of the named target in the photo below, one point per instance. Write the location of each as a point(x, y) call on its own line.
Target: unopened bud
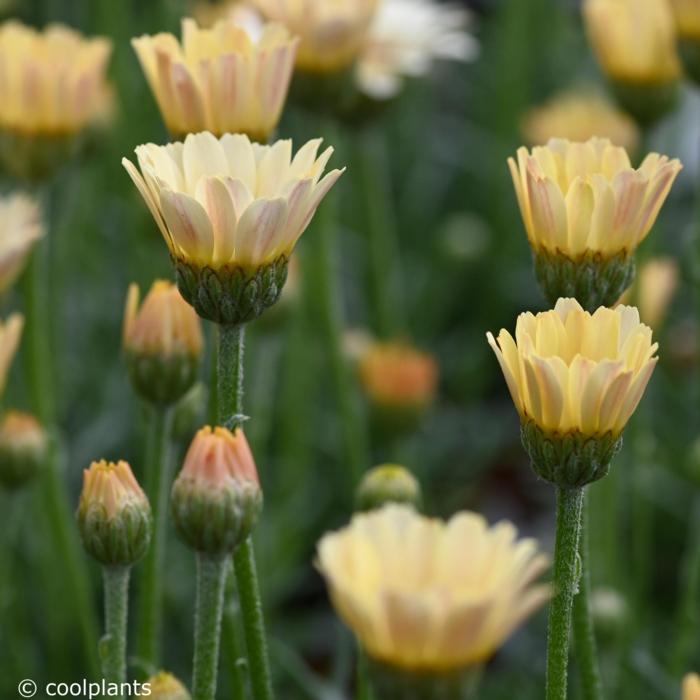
point(388, 483)
point(164, 686)
point(23, 448)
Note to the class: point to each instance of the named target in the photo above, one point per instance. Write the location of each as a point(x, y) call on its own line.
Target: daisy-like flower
point(21, 226)
point(585, 210)
point(579, 116)
point(332, 32)
point(635, 43)
point(52, 87)
point(222, 79)
point(404, 39)
point(10, 334)
point(428, 599)
point(231, 212)
point(575, 379)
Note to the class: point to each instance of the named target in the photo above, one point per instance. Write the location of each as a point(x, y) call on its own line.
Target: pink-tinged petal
point(551, 392)
point(319, 167)
point(152, 205)
point(592, 397)
point(613, 400)
point(241, 196)
point(188, 98)
point(634, 395)
point(214, 195)
point(297, 206)
point(317, 195)
point(548, 211)
point(508, 373)
point(304, 159)
point(273, 168)
point(164, 90)
point(257, 229)
point(189, 225)
point(241, 160)
point(202, 155)
point(658, 191)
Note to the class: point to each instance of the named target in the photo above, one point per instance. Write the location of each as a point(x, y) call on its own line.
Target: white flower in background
point(405, 38)
point(21, 226)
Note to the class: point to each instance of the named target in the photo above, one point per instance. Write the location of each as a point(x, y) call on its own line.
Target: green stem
point(584, 635)
point(689, 609)
point(211, 580)
point(230, 402)
point(158, 479)
point(324, 277)
point(375, 182)
point(233, 646)
point(569, 502)
point(113, 645)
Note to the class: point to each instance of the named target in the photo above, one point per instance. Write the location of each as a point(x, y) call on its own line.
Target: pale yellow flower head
point(230, 202)
point(10, 334)
point(634, 40)
point(404, 39)
point(112, 487)
point(569, 370)
point(332, 32)
point(579, 116)
point(691, 687)
point(52, 82)
point(21, 226)
point(656, 283)
point(429, 596)
point(687, 16)
point(577, 198)
point(222, 79)
point(165, 324)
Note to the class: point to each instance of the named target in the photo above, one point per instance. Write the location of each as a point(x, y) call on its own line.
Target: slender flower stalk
point(230, 380)
point(113, 645)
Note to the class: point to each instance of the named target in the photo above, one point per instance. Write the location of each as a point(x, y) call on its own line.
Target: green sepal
point(388, 483)
point(162, 379)
point(231, 294)
point(215, 521)
point(568, 460)
point(118, 541)
point(395, 683)
point(592, 279)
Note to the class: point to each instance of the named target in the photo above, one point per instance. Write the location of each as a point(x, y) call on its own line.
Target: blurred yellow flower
point(10, 334)
point(164, 686)
point(568, 370)
point(687, 16)
point(657, 281)
point(428, 596)
point(579, 116)
point(332, 32)
point(404, 39)
point(164, 325)
point(52, 83)
point(230, 202)
point(21, 226)
point(691, 687)
point(242, 13)
point(634, 40)
point(221, 79)
point(577, 198)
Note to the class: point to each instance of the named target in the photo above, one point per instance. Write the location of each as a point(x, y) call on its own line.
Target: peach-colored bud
point(164, 325)
point(23, 447)
point(217, 456)
point(112, 486)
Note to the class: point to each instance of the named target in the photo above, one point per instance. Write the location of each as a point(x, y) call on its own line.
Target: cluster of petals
point(111, 486)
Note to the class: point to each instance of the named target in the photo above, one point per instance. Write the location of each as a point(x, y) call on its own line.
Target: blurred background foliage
point(432, 166)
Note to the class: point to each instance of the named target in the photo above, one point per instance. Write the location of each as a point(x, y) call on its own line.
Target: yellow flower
point(634, 40)
point(21, 227)
point(110, 486)
point(164, 686)
point(579, 116)
point(404, 39)
point(51, 82)
point(653, 291)
point(230, 201)
point(220, 79)
point(568, 370)
point(428, 596)
point(691, 687)
point(577, 198)
point(10, 334)
point(164, 325)
point(397, 375)
point(687, 16)
point(332, 32)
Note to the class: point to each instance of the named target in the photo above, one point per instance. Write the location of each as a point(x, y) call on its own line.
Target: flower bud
point(163, 343)
point(216, 499)
point(400, 383)
point(164, 686)
point(23, 447)
point(388, 483)
point(114, 515)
